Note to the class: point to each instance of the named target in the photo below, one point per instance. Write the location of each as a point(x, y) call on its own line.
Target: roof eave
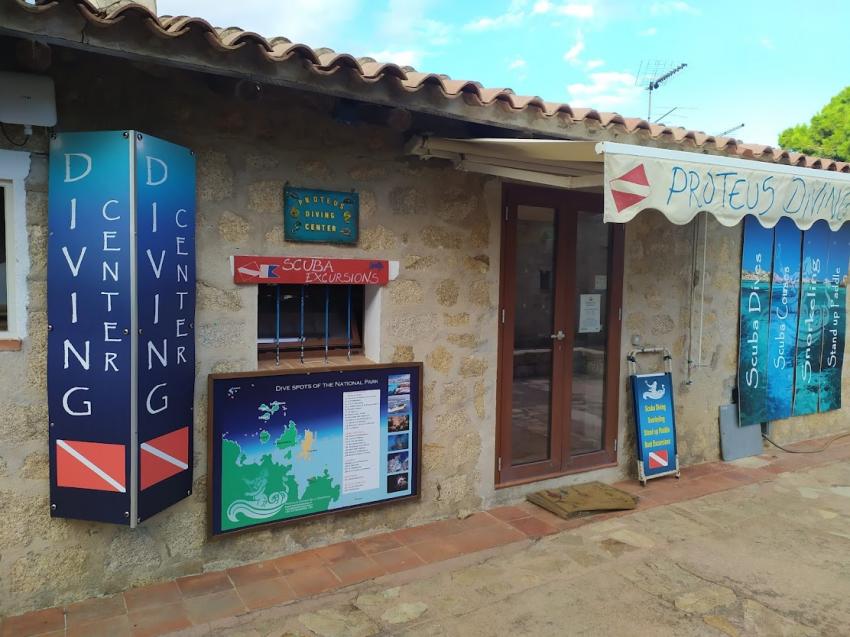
point(64, 26)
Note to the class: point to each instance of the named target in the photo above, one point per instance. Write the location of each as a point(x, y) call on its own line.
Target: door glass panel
point(533, 310)
point(587, 431)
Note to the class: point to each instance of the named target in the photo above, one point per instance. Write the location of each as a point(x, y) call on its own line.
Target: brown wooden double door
point(561, 292)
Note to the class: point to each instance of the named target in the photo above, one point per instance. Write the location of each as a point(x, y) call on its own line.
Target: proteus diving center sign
point(681, 184)
point(320, 216)
point(121, 311)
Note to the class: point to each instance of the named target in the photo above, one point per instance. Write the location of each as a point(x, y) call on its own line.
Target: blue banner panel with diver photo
point(89, 320)
point(287, 445)
point(655, 421)
point(756, 258)
point(813, 301)
point(832, 352)
point(165, 257)
point(784, 306)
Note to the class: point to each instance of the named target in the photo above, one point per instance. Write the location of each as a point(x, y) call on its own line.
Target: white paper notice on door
point(589, 314)
point(361, 440)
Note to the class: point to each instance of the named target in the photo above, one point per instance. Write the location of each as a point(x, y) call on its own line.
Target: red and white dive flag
point(658, 459)
point(630, 188)
point(90, 465)
point(163, 457)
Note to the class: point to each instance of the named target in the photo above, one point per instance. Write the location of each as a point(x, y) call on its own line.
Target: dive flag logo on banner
point(264, 271)
point(631, 188)
point(90, 465)
point(163, 457)
point(658, 459)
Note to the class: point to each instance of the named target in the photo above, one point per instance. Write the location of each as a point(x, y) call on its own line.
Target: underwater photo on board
point(832, 353)
point(784, 306)
point(397, 462)
point(756, 258)
point(398, 384)
point(398, 442)
point(813, 297)
point(399, 423)
point(398, 482)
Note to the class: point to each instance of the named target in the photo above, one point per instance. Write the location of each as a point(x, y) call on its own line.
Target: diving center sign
point(681, 184)
point(121, 311)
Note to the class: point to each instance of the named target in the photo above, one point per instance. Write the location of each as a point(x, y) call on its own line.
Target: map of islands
point(260, 485)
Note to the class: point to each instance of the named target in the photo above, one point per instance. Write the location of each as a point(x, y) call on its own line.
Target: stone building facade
point(440, 224)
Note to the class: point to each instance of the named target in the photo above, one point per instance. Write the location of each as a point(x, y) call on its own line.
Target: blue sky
point(766, 63)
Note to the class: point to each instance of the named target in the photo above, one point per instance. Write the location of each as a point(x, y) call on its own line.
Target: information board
point(655, 422)
point(286, 445)
point(320, 216)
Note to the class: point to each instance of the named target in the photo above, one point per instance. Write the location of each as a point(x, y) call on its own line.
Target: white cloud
point(594, 64)
point(767, 43)
point(497, 22)
point(582, 11)
point(401, 58)
point(314, 22)
point(571, 56)
point(605, 90)
point(669, 7)
point(648, 33)
point(405, 23)
point(519, 63)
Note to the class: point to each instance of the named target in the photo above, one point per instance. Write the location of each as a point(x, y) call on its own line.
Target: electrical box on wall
point(27, 99)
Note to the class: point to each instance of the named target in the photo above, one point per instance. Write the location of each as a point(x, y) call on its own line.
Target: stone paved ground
point(769, 559)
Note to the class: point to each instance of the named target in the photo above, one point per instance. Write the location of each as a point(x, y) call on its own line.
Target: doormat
point(569, 502)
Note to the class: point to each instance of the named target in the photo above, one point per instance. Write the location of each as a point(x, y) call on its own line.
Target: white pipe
point(702, 291)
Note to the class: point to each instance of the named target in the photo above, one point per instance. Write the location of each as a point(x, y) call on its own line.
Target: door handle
point(560, 336)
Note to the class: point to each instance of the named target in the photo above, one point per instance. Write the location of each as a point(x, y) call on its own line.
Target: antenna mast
point(653, 75)
point(731, 130)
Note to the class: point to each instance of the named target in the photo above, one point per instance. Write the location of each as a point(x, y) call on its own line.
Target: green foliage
point(828, 134)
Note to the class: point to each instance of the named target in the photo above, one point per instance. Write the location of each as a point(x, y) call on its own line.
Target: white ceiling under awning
point(678, 184)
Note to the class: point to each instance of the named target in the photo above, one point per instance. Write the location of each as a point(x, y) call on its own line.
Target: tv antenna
point(652, 74)
point(670, 112)
point(731, 130)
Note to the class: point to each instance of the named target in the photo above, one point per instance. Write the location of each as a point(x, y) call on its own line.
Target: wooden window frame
point(562, 463)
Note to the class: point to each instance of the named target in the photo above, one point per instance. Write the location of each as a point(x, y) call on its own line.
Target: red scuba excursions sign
point(310, 270)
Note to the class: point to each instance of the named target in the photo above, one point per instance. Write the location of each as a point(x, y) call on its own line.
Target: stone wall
point(658, 308)
point(440, 224)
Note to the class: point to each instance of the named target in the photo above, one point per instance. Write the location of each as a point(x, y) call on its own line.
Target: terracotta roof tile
point(327, 62)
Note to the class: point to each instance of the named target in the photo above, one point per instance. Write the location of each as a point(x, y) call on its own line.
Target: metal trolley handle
point(665, 354)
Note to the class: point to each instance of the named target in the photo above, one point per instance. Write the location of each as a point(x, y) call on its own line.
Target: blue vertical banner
point(784, 306)
point(165, 256)
point(813, 297)
point(89, 323)
point(756, 267)
point(113, 324)
point(835, 290)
